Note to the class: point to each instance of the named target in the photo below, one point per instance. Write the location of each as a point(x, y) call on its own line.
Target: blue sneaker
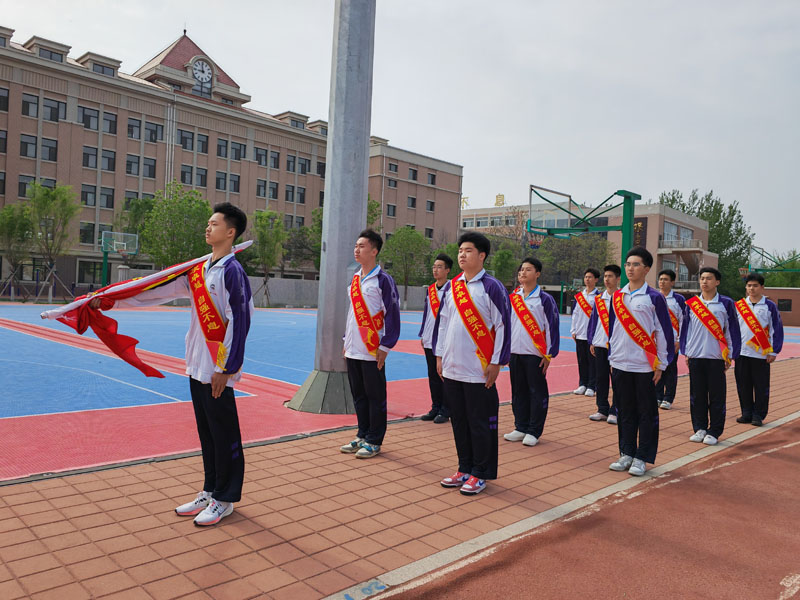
point(473, 486)
point(367, 450)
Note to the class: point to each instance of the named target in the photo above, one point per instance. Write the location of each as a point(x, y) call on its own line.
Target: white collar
point(370, 274)
point(480, 275)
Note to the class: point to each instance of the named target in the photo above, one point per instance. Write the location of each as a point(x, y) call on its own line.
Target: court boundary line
point(439, 564)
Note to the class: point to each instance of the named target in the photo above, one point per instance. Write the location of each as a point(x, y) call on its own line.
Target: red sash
point(602, 312)
point(368, 326)
point(635, 330)
point(760, 340)
point(433, 299)
point(531, 325)
point(710, 322)
point(676, 325)
point(584, 304)
point(211, 322)
point(481, 335)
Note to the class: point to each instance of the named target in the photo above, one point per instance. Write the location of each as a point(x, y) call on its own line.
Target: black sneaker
point(744, 419)
point(439, 419)
point(757, 421)
point(429, 416)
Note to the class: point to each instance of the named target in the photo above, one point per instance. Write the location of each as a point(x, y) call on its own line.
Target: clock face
point(201, 71)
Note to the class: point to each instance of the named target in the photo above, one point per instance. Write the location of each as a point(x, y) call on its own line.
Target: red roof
point(179, 53)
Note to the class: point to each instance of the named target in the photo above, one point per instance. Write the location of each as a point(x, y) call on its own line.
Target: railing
point(687, 285)
point(680, 244)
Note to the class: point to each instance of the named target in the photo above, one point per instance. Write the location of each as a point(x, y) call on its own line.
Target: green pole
point(628, 200)
point(105, 268)
point(561, 299)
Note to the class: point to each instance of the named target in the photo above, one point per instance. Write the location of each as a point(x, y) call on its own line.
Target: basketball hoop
point(743, 271)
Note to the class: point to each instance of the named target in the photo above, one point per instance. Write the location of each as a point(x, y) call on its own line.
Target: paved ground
point(315, 522)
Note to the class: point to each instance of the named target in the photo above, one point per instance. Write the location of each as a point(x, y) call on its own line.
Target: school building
point(114, 136)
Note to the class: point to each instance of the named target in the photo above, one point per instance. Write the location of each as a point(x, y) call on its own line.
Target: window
point(430, 206)
point(90, 157)
point(24, 182)
point(670, 232)
point(496, 221)
point(482, 222)
point(290, 160)
point(146, 196)
point(50, 55)
point(321, 198)
point(202, 143)
point(106, 197)
point(186, 174)
point(109, 160)
point(392, 183)
point(49, 149)
point(153, 132)
point(3, 141)
point(2, 182)
point(301, 195)
point(412, 174)
point(304, 164)
point(296, 123)
point(100, 229)
point(149, 168)
point(431, 179)
point(392, 168)
point(412, 202)
point(48, 183)
point(287, 221)
point(321, 169)
point(134, 129)
point(129, 195)
point(201, 177)
point(221, 180)
point(238, 151)
point(2, 42)
point(685, 233)
point(299, 222)
point(323, 130)
point(222, 148)
point(110, 123)
point(54, 110)
point(87, 233)
point(88, 195)
point(683, 272)
point(30, 105)
point(131, 164)
point(4, 99)
point(89, 117)
point(90, 272)
point(289, 194)
point(261, 188)
point(509, 221)
point(784, 304)
point(177, 87)
point(234, 179)
point(411, 226)
point(391, 209)
point(668, 264)
point(227, 101)
point(261, 156)
point(273, 190)
point(429, 233)
point(202, 89)
point(274, 160)
point(27, 146)
point(186, 139)
point(102, 69)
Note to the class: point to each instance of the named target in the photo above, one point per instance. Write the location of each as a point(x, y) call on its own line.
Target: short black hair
point(642, 253)
point(480, 241)
point(669, 273)
point(755, 277)
point(593, 271)
point(614, 269)
point(374, 238)
point(233, 215)
point(445, 258)
point(712, 270)
point(537, 264)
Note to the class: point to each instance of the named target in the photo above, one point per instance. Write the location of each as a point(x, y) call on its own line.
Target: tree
point(174, 230)
point(315, 230)
point(728, 235)
point(784, 279)
point(16, 233)
point(51, 211)
point(504, 264)
point(298, 248)
point(566, 259)
point(269, 236)
point(407, 252)
point(373, 214)
point(132, 220)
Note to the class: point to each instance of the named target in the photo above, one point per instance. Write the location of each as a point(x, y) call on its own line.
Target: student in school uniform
point(581, 313)
point(665, 388)
point(710, 340)
point(640, 347)
point(762, 340)
point(372, 329)
point(597, 333)
point(442, 265)
point(471, 341)
point(534, 343)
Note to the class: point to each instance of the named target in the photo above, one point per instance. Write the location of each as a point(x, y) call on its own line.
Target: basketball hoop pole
point(105, 265)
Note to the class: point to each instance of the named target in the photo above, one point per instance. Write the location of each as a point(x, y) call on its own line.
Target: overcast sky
point(583, 97)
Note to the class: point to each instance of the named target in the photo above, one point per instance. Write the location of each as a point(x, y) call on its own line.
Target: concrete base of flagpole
point(324, 392)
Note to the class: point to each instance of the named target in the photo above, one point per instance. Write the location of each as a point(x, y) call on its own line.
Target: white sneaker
point(352, 447)
point(589, 392)
point(580, 391)
point(710, 440)
point(514, 436)
point(637, 468)
point(598, 416)
point(698, 436)
point(214, 513)
point(622, 464)
point(612, 419)
point(530, 440)
point(666, 405)
point(195, 506)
